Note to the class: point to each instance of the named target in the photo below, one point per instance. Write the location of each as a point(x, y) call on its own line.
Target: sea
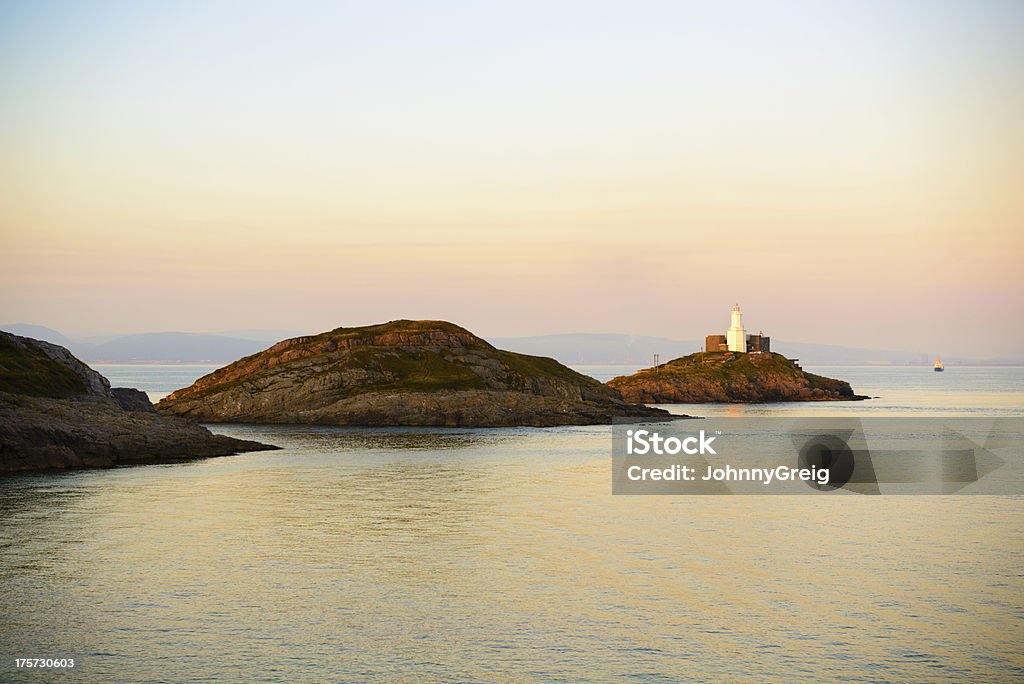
point(480, 555)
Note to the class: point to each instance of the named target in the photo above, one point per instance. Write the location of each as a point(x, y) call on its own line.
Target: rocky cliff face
point(56, 412)
point(730, 377)
point(428, 373)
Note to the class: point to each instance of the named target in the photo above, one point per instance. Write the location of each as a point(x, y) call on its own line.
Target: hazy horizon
point(88, 342)
point(849, 173)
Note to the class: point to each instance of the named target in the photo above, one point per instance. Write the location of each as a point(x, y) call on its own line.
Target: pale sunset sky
point(849, 172)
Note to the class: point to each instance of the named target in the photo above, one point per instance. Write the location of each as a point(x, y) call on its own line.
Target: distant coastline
point(180, 348)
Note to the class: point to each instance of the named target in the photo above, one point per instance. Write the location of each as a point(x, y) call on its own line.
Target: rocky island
point(413, 373)
point(56, 412)
point(730, 377)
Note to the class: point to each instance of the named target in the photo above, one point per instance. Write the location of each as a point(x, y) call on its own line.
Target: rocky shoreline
point(731, 377)
point(57, 413)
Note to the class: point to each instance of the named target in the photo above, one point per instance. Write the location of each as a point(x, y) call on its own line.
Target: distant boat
point(938, 365)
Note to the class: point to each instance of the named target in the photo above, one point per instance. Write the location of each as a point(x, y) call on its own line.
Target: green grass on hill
point(534, 366)
point(722, 367)
point(730, 364)
point(30, 371)
point(731, 368)
point(417, 371)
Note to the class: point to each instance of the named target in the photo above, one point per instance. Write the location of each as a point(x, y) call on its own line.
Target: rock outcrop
point(730, 377)
point(417, 373)
point(56, 412)
point(132, 399)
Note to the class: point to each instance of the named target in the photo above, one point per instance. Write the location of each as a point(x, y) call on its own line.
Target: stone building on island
point(736, 339)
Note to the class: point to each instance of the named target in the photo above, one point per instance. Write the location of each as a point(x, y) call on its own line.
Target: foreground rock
point(56, 412)
point(730, 377)
point(418, 373)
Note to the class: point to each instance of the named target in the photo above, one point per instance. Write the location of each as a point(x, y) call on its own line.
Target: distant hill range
point(570, 348)
point(159, 347)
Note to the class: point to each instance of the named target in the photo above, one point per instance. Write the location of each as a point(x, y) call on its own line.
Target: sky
point(849, 172)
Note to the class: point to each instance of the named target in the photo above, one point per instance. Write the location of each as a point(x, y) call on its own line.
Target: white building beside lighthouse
point(736, 338)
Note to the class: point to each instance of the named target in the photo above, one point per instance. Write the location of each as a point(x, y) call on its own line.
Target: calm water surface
point(482, 555)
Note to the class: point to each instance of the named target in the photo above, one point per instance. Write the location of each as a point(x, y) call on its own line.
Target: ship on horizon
point(938, 365)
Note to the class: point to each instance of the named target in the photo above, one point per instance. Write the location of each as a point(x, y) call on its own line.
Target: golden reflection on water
point(484, 555)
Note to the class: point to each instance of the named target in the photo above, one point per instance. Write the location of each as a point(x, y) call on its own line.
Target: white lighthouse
point(736, 338)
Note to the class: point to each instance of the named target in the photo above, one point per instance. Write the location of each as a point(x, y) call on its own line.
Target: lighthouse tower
point(736, 338)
